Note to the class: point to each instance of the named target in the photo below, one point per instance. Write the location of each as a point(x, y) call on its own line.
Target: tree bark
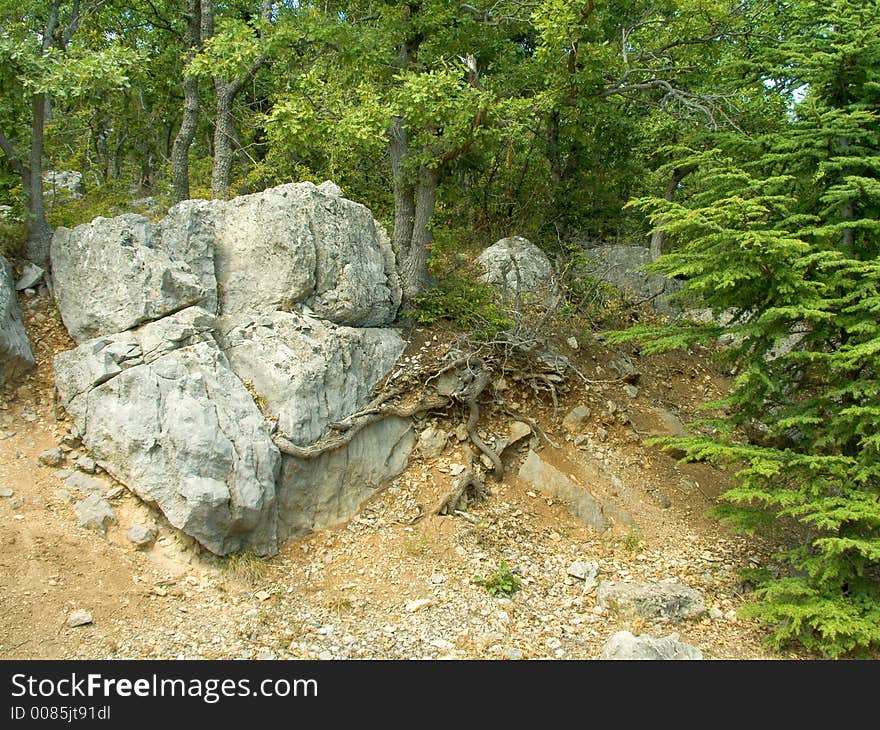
point(413, 259)
point(658, 235)
point(39, 233)
point(224, 136)
point(189, 122)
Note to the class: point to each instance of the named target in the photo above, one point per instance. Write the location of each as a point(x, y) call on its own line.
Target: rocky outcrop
point(307, 372)
point(16, 356)
point(60, 184)
point(110, 276)
point(621, 266)
point(323, 491)
point(302, 243)
point(517, 268)
point(160, 409)
point(180, 404)
point(624, 646)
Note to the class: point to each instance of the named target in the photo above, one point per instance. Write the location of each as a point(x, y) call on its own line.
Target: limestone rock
point(620, 266)
point(308, 373)
point(549, 480)
point(178, 428)
point(187, 234)
point(623, 645)
point(31, 276)
point(63, 184)
point(109, 276)
point(51, 457)
point(141, 536)
point(666, 600)
point(515, 266)
point(16, 357)
point(299, 243)
point(574, 421)
point(95, 514)
point(323, 491)
point(432, 442)
point(79, 617)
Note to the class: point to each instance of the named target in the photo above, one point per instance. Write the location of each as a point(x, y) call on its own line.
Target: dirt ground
point(382, 585)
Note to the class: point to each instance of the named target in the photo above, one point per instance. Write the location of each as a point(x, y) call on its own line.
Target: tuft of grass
point(246, 567)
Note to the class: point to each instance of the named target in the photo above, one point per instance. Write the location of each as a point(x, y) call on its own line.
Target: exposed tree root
point(353, 425)
point(469, 479)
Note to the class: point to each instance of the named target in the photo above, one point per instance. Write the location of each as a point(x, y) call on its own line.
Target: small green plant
point(633, 543)
point(503, 580)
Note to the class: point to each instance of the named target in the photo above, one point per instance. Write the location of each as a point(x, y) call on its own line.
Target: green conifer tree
point(785, 246)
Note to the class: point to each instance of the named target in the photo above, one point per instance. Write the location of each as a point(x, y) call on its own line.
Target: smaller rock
point(438, 579)
point(667, 600)
point(418, 605)
point(627, 371)
point(83, 483)
point(31, 274)
point(86, 464)
point(623, 645)
point(461, 432)
point(6, 492)
point(584, 570)
point(514, 654)
point(141, 536)
point(71, 440)
point(95, 514)
point(265, 656)
point(517, 431)
point(572, 343)
point(576, 419)
point(631, 390)
point(730, 615)
point(664, 501)
point(432, 442)
point(51, 457)
point(79, 617)
point(716, 613)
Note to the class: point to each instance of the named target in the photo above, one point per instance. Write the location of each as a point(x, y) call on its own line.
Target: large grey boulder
point(308, 372)
point(110, 276)
point(620, 266)
point(169, 418)
point(667, 600)
point(320, 492)
point(624, 646)
point(517, 268)
point(16, 356)
point(301, 243)
point(552, 482)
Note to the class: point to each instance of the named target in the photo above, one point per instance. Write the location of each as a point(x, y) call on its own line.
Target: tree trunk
point(39, 233)
point(190, 120)
point(404, 190)
point(413, 259)
point(224, 136)
point(659, 235)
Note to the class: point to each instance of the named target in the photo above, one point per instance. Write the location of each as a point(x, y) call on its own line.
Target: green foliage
point(463, 301)
point(782, 244)
point(501, 581)
point(12, 238)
